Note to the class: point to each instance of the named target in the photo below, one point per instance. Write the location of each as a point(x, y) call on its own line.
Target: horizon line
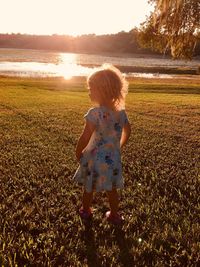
point(65, 34)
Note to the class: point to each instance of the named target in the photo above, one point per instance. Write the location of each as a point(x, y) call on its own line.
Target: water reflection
point(67, 58)
point(35, 63)
point(68, 66)
point(149, 75)
point(36, 69)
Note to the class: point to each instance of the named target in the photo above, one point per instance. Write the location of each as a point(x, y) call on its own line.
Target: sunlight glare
point(69, 67)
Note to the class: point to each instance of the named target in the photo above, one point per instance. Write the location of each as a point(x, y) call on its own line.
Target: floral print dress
point(100, 165)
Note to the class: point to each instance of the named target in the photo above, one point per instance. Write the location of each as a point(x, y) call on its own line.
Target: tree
point(173, 26)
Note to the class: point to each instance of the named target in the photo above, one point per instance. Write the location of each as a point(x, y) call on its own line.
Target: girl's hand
point(84, 138)
point(126, 132)
point(78, 156)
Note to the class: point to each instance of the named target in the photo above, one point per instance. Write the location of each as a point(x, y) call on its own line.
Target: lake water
point(37, 63)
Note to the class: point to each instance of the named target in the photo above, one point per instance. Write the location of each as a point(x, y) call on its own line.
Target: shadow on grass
point(116, 234)
point(125, 256)
point(88, 238)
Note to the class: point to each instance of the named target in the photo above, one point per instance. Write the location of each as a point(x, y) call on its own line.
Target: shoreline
point(154, 69)
point(129, 71)
point(81, 80)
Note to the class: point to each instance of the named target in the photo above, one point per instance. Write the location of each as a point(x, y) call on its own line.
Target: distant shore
point(154, 69)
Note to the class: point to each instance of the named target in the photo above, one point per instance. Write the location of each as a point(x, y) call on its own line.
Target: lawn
point(41, 120)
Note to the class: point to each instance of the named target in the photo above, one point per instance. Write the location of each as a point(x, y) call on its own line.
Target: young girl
point(106, 130)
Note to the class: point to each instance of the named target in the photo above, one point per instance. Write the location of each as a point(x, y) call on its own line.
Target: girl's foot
point(85, 214)
point(116, 219)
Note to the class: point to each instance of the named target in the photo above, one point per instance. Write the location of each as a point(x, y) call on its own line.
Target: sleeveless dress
point(100, 165)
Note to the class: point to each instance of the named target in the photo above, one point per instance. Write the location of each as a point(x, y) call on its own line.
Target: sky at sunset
point(72, 17)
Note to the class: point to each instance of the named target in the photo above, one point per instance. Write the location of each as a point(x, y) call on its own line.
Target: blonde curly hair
point(108, 84)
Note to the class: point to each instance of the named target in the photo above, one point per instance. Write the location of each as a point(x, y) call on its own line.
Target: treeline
point(122, 42)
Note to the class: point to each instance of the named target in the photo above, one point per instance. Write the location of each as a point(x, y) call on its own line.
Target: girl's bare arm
point(126, 132)
point(84, 138)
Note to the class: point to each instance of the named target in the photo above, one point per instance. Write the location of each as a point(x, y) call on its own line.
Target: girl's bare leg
point(87, 200)
point(114, 201)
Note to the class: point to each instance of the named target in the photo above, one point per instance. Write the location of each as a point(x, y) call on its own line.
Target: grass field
point(39, 225)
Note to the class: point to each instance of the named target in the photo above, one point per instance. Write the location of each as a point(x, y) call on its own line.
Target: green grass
point(39, 226)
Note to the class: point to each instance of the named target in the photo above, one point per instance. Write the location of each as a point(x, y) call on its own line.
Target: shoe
point(116, 220)
point(84, 214)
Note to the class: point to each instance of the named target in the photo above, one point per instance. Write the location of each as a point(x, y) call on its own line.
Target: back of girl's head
point(109, 85)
